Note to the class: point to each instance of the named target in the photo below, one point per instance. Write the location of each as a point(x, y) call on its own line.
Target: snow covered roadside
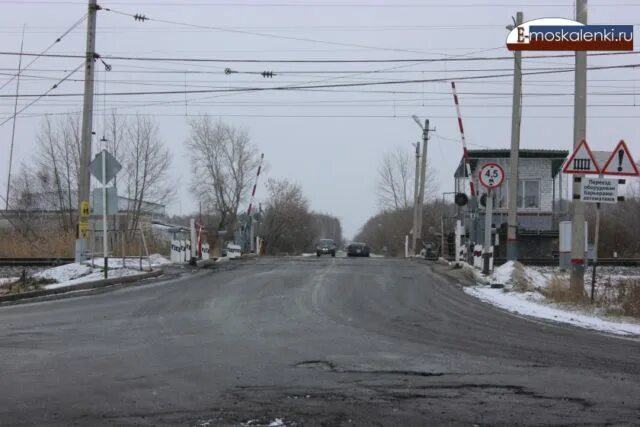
point(73, 274)
point(523, 295)
point(534, 304)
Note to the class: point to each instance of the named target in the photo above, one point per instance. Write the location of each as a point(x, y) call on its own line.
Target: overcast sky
point(331, 140)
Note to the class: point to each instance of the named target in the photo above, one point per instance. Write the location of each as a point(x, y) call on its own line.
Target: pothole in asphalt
point(325, 365)
point(322, 365)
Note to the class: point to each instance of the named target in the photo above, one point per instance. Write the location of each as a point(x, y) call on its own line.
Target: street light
point(417, 120)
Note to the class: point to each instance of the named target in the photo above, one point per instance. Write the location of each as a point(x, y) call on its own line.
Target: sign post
point(105, 167)
point(599, 190)
point(105, 242)
point(491, 176)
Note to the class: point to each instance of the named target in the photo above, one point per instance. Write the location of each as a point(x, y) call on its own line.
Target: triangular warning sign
point(620, 162)
point(581, 160)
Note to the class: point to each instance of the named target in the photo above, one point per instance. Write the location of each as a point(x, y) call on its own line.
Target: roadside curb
point(96, 284)
point(204, 263)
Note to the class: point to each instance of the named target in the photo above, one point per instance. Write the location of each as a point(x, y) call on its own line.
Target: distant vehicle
point(232, 250)
point(358, 249)
point(325, 247)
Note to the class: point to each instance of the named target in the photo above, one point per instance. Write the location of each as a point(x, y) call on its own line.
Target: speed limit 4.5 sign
point(491, 175)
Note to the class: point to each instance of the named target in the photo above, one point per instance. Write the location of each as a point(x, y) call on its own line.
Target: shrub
point(630, 297)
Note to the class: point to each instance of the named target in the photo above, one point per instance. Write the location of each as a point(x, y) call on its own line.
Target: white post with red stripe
point(464, 142)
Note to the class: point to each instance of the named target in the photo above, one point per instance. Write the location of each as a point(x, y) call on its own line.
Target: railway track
point(619, 262)
point(551, 262)
point(33, 262)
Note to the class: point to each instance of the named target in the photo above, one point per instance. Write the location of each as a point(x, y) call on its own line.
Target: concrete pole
point(414, 233)
point(512, 236)
point(579, 133)
point(486, 255)
point(15, 117)
point(423, 173)
point(84, 179)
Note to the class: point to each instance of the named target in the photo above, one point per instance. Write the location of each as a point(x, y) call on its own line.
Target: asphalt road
point(310, 341)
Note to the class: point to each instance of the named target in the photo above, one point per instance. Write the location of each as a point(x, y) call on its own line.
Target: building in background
point(539, 200)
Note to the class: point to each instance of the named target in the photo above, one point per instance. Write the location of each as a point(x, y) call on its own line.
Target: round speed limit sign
point(491, 175)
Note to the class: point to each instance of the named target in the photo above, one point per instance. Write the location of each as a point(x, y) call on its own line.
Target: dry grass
point(59, 244)
point(519, 279)
point(24, 284)
point(51, 244)
point(559, 290)
point(630, 297)
point(622, 298)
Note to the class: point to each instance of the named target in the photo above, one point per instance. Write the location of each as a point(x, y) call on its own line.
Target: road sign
point(620, 162)
point(83, 229)
point(581, 161)
point(491, 175)
point(112, 201)
point(112, 166)
point(84, 209)
point(599, 190)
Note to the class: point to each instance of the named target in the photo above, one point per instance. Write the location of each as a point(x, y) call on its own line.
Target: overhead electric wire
point(44, 52)
point(317, 61)
point(325, 5)
point(39, 97)
point(339, 85)
point(254, 33)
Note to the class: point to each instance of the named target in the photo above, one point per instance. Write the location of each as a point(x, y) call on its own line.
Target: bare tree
point(396, 180)
point(146, 163)
point(288, 225)
point(224, 162)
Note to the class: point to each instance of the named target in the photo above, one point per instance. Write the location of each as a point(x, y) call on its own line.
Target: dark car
point(326, 247)
point(357, 249)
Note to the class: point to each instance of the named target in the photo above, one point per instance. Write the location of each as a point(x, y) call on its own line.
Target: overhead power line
point(457, 58)
point(43, 53)
point(39, 97)
point(338, 85)
point(384, 5)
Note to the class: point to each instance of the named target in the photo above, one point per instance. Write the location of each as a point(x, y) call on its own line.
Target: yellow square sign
point(84, 208)
point(83, 229)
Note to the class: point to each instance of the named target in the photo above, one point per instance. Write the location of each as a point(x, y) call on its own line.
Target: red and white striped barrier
point(255, 184)
point(463, 139)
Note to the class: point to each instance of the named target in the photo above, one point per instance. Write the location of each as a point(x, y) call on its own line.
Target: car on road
point(326, 247)
point(358, 249)
point(232, 251)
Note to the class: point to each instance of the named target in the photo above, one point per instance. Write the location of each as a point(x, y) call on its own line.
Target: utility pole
point(512, 231)
point(84, 183)
point(423, 173)
point(416, 180)
point(15, 117)
point(579, 133)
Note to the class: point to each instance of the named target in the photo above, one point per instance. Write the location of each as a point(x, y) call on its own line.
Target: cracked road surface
point(310, 341)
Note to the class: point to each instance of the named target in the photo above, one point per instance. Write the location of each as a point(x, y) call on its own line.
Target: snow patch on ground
point(96, 274)
point(65, 273)
point(532, 304)
point(7, 280)
point(504, 275)
point(154, 260)
point(76, 273)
